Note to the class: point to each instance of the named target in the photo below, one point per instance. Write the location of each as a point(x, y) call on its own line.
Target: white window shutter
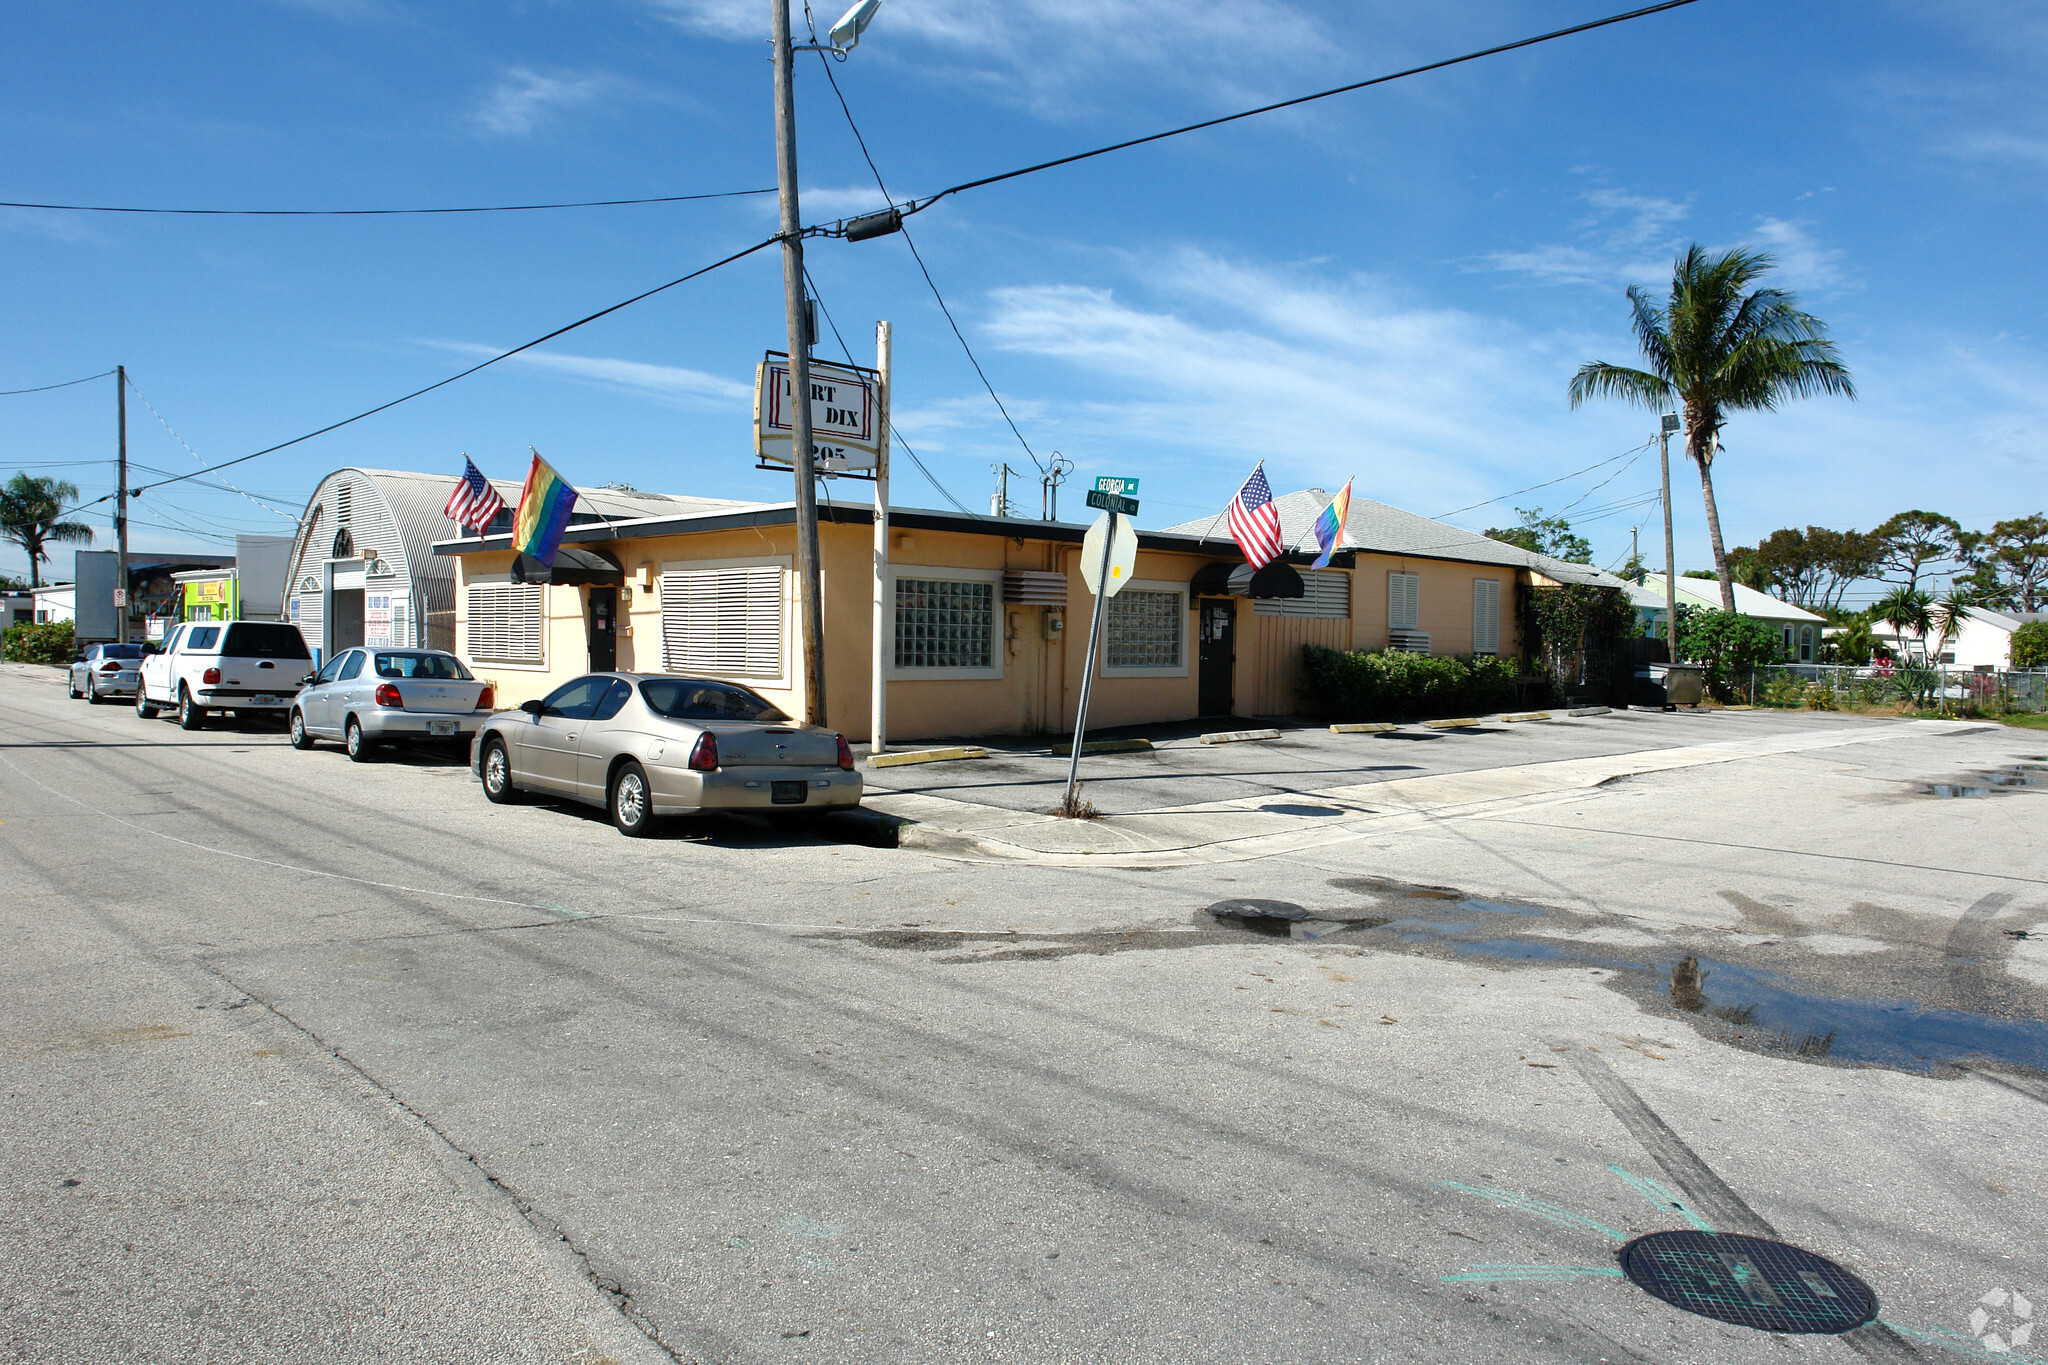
point(504, 622)
point(1404, 600)
point(1486, 616)
point(723, 622)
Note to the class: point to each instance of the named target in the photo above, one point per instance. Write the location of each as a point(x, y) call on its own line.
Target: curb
point(1106, 746)
point(924, 756)
point(1367, 728)
point(1239, 736)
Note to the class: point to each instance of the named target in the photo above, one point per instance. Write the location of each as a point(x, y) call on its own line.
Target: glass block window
point(945, 623)
point(1144, 629)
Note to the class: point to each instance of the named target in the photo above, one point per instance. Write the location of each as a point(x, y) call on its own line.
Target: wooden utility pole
point(810, 593)
point(121, 509)
point(878, 716)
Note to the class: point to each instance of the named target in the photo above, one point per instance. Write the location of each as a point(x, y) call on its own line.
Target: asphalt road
point(311, 1060)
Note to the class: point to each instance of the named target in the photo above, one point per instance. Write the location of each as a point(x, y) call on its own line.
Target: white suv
point(248, 667)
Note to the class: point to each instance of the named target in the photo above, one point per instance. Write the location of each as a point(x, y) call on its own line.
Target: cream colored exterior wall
point(1039, 689)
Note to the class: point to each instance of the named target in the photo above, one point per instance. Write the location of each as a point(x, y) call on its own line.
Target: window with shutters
point(1486, 616)
point(724, 621)
point(504, 622)
point(945, 623)
point(1404, 601)
point(344, 502)
point(1325, 596)
point(1145, 630)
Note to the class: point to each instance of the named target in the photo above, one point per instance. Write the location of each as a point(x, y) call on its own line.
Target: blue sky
point(1395, 284)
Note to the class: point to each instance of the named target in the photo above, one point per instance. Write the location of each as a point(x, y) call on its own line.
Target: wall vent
point(1409, 641)
point(1035, 587)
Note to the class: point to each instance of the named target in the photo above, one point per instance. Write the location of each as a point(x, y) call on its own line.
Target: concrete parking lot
point(314, 1060)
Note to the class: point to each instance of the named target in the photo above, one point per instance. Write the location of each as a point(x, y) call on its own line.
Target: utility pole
point(810, 593)
point(878, 684)
point(121, 510)
point(999, 505)
point(1665, 427)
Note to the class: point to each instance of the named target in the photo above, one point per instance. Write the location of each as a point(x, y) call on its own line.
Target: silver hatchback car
point(368, 696)
point(643, 746)
point(106, 671)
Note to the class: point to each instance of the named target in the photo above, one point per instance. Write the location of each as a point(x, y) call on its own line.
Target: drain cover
point(1749, 1281)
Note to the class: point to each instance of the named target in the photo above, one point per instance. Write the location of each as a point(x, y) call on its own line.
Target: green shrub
point(2030, 645)
point(1820, 697)
point(46, 642)
point(1395, 685)
point(1729, 644)
point(1784, 692)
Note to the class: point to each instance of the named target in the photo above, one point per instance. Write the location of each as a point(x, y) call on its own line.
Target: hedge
point(1395, 685)
point(46, 642)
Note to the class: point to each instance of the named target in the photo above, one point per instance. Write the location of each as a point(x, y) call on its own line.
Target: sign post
point(1113, 563)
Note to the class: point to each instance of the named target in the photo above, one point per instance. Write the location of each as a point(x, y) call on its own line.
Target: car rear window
point(438, 667)
point(120, 651)
point(695, 699)
point(202, 637)
point(265, 640)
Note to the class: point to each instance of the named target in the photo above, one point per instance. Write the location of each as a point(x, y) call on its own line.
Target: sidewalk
point(950, 812)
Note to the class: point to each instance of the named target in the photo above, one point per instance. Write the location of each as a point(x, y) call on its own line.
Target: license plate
point(442, 727)
point(263, 699)
point(788, 793)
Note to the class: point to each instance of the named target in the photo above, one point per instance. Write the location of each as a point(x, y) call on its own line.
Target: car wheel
point(143, 706)
point(190, 717)
point(300, 739)
point(71, 685)
point(496, 767)
point(92, 691)
point(632, 802)
point(360, 749)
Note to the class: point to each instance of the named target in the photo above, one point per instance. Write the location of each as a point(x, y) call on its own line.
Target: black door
point(604, 635)
point(1219, 656)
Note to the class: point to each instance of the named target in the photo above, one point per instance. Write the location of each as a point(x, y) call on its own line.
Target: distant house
point(1985, 641)
point(1798, 628)
point(55, 601)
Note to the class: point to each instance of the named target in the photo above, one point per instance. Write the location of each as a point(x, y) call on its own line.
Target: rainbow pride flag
point(1330, 525)
point(544, 508)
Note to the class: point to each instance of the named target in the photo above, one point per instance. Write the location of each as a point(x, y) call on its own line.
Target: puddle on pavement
point(2018, 777)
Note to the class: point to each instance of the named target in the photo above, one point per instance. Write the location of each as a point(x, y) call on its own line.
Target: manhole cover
point(1749, 1281)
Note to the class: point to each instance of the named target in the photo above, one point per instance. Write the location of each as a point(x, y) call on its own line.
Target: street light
point(845, 34)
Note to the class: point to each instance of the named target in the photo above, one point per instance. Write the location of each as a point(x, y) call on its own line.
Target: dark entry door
point(1219, 655)
point(604, 635)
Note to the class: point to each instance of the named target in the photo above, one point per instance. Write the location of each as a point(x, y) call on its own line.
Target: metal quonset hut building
point(363, 569)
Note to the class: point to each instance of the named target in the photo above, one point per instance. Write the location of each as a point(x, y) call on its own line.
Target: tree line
point(2004, 568)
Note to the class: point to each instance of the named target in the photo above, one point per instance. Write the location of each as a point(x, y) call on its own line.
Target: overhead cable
point(464, 374)
point(165, 423)
point(926, 272)
point(375, 213)
point(45, 388)
point(1546, 483)
point(920, 205)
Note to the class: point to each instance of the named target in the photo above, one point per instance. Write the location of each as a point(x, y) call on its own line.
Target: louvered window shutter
point(723, 622)
point(1404, 600)
point(504, 622)
point(1486, 616)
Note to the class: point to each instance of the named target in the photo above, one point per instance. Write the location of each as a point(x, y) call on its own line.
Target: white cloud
point(64, 227)
point(1803, 263)
point(524, 99)
point(1627, 239)
point(1054, 54)
point(667, 383)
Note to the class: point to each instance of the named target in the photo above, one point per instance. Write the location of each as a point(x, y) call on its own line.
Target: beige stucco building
point(986, 630)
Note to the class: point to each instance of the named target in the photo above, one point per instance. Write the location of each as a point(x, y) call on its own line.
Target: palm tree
point(1905, 609)
point(1950, 614)
point(32, 515)
point(1717, 349)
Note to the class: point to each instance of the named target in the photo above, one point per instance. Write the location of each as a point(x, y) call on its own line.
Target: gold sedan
point(644, 746)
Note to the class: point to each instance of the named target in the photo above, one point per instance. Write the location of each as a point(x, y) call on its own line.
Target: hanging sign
point(843, 414)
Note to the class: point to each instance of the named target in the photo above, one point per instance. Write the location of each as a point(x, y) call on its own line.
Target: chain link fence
point(1841, 686)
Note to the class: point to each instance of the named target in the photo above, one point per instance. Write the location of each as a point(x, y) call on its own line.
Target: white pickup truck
point(249, 667)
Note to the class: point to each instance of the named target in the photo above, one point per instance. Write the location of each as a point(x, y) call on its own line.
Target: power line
point(1546, 483)
point(926, 272)
point(375, 213)
point(894, 435)
point(920, 205)
point(45, 388)
point(504, 355)
point(165, 423)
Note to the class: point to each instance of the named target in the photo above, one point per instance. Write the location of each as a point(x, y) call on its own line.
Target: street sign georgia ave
point(843, 435)
point(1125, 488)
point(1123, 556)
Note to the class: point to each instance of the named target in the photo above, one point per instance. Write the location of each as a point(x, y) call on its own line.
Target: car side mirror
point(531, 708)
point(307, 680)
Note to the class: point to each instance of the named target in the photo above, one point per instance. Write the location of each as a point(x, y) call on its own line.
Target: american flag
point(474, 502)
point(1254, 523)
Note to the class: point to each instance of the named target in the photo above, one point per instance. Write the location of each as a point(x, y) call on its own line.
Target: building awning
point(1277, 579)
point(574, 566)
